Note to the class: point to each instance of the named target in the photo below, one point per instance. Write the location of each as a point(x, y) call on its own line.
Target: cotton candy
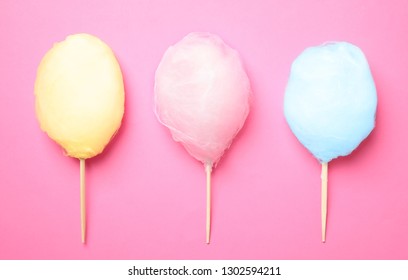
point(330, 100)
point(79, 100)
point(202, 95)
point(80, 95)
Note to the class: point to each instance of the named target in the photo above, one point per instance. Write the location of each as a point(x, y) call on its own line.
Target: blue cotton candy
point(330, 100)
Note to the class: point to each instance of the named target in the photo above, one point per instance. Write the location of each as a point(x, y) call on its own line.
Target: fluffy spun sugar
point(330, 99)
point(202, 95)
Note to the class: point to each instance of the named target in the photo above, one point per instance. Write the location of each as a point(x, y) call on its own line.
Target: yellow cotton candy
point(80, 95)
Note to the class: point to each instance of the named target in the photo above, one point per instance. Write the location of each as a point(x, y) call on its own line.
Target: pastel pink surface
point(146, 195)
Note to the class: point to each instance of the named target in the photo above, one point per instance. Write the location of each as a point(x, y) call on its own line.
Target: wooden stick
point(82, 191)
point(208, 169)
point(324, 199)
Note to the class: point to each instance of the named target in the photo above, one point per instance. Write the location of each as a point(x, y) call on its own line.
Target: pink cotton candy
point(202, 95)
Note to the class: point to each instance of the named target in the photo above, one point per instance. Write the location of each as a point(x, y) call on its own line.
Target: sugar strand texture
point(330, 100)
point(80, 95)
point(202, 95)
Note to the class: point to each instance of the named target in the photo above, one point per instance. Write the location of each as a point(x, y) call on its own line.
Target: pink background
point(146, 195)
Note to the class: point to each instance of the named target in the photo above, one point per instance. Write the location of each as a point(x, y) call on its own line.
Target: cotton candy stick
point(202, 96)
point(330, 104)
point(324, 199)
point(208, 169)
point(83, 199)
point(80, 100)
